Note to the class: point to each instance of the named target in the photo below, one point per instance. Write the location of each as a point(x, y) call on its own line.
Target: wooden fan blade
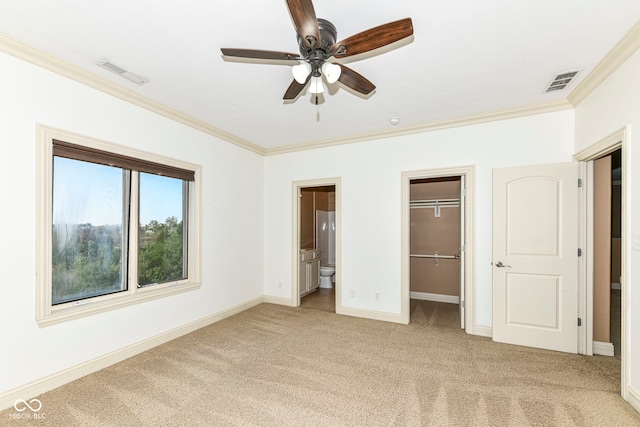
point(261, 54)
point(355, 81)
point(373, 38)
point(295, 88)
point(305, 21)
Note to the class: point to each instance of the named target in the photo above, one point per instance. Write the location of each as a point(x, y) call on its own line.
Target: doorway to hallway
point(617, 141)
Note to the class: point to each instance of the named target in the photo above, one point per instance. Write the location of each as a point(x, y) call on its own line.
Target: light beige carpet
point(280, 366)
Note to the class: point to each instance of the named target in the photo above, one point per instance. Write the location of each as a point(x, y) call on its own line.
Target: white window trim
point(46, 313)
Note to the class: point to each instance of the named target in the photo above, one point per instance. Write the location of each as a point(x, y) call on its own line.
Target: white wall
point(232, 226)
point(371, 199)
point(246, 223)
point(612, 106)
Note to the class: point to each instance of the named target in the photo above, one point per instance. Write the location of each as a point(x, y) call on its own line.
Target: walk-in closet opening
point(436, 242)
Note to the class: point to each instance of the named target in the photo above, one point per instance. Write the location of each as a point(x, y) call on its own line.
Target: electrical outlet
point(377, 296)
point(352, 293)
point(279, 285)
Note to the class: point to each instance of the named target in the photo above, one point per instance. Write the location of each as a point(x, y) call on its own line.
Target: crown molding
point(622, 51)
point(527, 110)
point(626, 47)
point(37, 57)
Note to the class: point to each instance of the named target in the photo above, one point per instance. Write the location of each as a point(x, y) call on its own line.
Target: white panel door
point(535, 256)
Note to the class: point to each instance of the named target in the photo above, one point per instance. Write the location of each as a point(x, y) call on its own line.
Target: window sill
point(70, 311)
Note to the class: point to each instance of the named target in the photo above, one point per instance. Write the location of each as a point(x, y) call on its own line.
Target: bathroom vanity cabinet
point(309, 271)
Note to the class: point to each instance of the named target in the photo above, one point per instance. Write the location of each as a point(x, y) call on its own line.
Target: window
point(161, 236)
point(115, 227)
point(89, 245)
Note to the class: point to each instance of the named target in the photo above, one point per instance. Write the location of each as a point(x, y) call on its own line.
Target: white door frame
point(297, 186)
point(469, 260)
point(618, 139)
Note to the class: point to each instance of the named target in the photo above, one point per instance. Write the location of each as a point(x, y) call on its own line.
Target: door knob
point(501, 265)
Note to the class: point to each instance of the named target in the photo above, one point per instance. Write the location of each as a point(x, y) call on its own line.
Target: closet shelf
point(443, 203)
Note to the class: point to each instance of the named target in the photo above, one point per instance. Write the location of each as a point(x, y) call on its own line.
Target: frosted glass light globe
point(331, 72)
point(301, 71)
point(316, 85)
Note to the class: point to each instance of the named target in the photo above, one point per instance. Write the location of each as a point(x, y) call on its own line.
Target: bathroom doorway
point(316, 244)
point(437, 276)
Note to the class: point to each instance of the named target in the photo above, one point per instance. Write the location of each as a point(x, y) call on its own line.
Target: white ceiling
point(467, 57)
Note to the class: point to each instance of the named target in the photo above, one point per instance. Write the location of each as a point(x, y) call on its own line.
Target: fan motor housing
point(328, 37)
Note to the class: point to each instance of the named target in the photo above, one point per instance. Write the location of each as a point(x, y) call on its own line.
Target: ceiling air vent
point(561, 81)
point(107, 65)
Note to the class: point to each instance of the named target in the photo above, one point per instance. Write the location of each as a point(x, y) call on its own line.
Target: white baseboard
point(484, 331)
point(279, 301)
point(633, 398)
point(42, 385)
point(435, 297)
point(370, 314)
point(603, 348)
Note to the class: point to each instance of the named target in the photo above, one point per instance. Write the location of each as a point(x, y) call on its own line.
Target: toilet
point(326, 273)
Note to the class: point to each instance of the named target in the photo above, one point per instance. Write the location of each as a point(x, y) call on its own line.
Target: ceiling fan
point(317, 44)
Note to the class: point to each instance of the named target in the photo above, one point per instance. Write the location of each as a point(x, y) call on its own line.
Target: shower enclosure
point(326, 236)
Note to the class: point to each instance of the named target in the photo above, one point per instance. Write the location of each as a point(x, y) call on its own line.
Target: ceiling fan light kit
point(331, 72)
point(316, 86)
point(301, 71)
point(317, 44)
